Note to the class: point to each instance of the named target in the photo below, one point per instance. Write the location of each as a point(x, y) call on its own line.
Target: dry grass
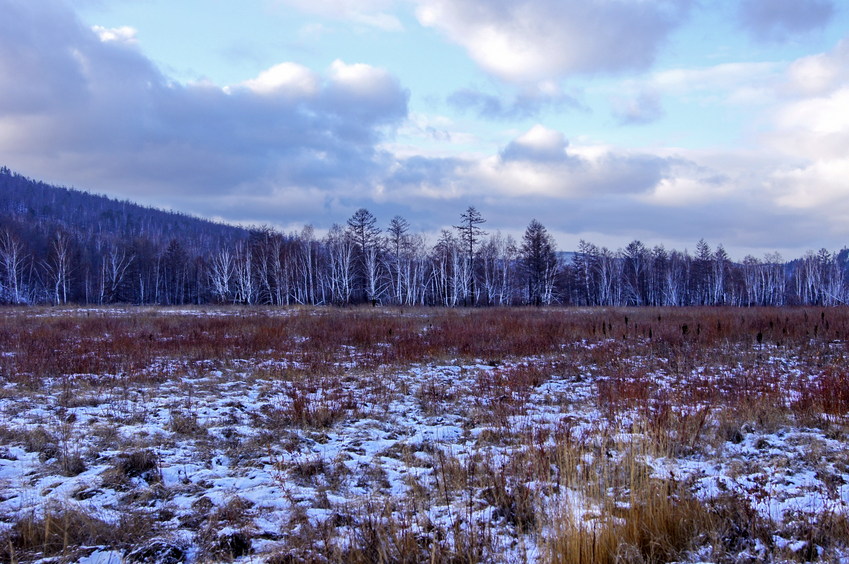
point(227, 532)
point(661, 383)
point(85, 345)
point(613, 507)
point(68, 532)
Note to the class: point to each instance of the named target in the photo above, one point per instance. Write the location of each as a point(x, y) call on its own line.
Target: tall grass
point(93, 342)
point(664, 383)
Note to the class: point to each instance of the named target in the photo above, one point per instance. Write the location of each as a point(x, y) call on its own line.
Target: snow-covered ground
point(469, 459)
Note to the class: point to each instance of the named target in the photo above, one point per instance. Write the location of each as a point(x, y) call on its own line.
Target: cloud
point(726, 77)
point(35, 74)
point(286, 79)
point(641, 101)
point(639, 110)
point(79, 107)
point(822, 115)
point(813, 135)
point(534, 165)
point(530, 40)
point(370, 13)
point(779, 20)
point(806, 135)
point(527, 104)
point(369, 93)
point(818, 186)
point(687, 185)
point(539, 144)
point(820, 73)
point(123, 34)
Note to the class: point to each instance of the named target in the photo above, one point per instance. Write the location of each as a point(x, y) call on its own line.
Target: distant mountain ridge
point(32, 201)
point(61, 245)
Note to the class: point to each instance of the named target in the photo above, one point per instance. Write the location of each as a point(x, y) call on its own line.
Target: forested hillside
point(60, 245)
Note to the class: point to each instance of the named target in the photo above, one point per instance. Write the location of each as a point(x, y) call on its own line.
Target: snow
point(400, 433)
point(103, 557)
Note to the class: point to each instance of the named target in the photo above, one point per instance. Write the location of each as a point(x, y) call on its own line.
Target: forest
point(60, 245)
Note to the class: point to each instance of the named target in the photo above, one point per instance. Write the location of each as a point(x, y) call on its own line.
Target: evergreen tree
point(538, 257)
point(470, 236)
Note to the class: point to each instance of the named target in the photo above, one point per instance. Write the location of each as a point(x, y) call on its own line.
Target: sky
point(664, 121)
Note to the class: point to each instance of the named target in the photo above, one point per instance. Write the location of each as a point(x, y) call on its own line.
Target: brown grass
point(667, 383)
point(64, 531)
point(76, 345)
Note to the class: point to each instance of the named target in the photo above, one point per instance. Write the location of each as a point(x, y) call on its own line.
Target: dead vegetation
point(553, 435)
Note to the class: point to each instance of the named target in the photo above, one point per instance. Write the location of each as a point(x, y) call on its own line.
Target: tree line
point(59, 246)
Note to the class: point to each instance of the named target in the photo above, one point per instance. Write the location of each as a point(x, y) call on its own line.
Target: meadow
point(563, 435)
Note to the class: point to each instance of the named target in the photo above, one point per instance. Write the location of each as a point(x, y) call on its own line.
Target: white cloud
point(543, 139)
point(432, 136)
point(370, 13)
point(726, 77)
point(809, 141)
point(371, 93)
point(819, 74)
point(535, 164)
point(819, 187)
point(687, 191)
point(641, 101)
point(517, 179)
point(813, 131)
point(537, 144)
point(360, 79)
point(386, 22)
point(824, 115)
point(643, 108)
point(288, 79)
point(123, 34)
point(532, 40)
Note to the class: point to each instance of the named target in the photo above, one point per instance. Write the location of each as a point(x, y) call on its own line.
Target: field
point(417, 435)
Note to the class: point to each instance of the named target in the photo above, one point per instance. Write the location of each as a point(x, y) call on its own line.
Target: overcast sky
point(608, 120)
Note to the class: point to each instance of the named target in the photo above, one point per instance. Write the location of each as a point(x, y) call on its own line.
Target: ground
point(362, 435)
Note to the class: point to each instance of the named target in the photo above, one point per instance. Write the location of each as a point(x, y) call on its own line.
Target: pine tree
point(539, 263)
point(470, 235)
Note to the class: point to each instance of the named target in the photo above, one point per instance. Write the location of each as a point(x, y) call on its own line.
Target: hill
point(32, 201)
point(61, 244)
